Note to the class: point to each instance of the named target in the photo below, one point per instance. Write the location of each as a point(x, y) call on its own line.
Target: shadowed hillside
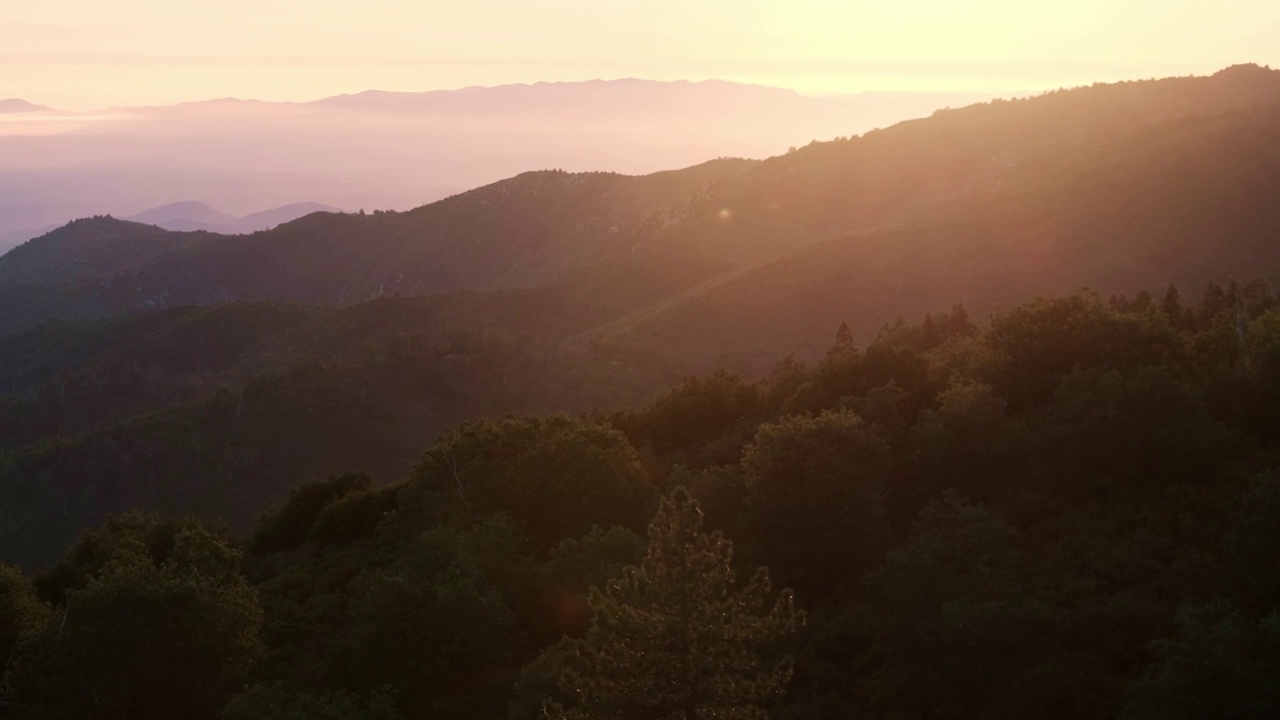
point(88, 250)
point(988, 402)
point(533, 229)
point(556, 291)
point(538, 229)
point(1187, 202)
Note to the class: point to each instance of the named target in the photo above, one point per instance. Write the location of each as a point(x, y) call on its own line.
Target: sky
point(93, 54)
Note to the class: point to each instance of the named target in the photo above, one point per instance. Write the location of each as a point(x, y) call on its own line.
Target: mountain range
point(192, 216)
point(16, 105)
point(554, 290)
point(383, 150)
point(1023, 190)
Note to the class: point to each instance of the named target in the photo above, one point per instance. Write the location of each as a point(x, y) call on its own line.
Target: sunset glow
point(83, 54)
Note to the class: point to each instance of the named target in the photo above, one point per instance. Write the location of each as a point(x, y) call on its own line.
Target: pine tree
point(674, 639)
point(844, 340)
point(1170, 306)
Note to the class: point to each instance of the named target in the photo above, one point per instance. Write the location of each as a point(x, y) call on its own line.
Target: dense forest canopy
point(834, 434)
point(1068, 512)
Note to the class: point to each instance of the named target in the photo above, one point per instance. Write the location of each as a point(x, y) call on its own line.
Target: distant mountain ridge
point(191, 216)
point(530, 230)
point(196, 365)
point(397, 150)
point(887, 193)
point(187, 211)
point(643, 97)
point(15, 105)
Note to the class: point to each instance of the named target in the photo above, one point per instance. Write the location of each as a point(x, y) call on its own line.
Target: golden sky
point(87, 54)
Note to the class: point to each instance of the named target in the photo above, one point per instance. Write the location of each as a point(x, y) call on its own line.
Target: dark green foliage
point(22, 614)
point(595, 557)
point(969, 444)
point(575, 566)
point(146, 640)
point(691, 422)
point(1263, 353)
point(424, 617)
point(287, 527)
point(354, 516)
point(140, 424)
point(1104, 429)
point(1035, 346)
point(274, 702)
point(155, 534)
point(556, 477)
point(434, 626)
point(950, 604)
point(1221, 664)
point(674, 637)
point(817, 483)
point(1253, 545)
point(1051, 517)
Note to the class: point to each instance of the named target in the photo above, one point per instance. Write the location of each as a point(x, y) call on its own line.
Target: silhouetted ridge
point(85, 249)
point(15, 105)
point(547, 227)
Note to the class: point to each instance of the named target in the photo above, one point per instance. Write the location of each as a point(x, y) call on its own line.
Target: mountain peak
point(1243, 69)
point(188, 210)
point(17, 105)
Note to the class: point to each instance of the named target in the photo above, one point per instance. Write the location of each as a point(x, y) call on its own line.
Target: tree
point(1263, 348)
point(574, 567)
point(286, 527)
point(555, 476)
point(1253, 545)
point(1150, 429)
point(432, 625)
point(844, 341)
point(143, 640)
point(675, 639)
point(817, 482)
point(696, 412)
point(1221, 664)
point(950, 624)
point(275, 702)
point(1170, 306)
point(153, 533)
point(1038, 344)
point(21, 612)
point(969, 444)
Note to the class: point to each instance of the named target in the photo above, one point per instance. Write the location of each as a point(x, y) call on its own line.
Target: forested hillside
point(1080, 151)
point(519, 453)
point(1189, 202)
point(530, 230)
point(615, 287)
point(1067, 512)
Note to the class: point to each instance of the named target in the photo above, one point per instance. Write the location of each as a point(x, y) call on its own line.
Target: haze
point(639, 360)
point(111, 113)
point(379, 150)
point(84, 54)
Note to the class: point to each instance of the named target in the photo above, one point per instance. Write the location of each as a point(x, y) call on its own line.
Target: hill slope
point(192, 216)
point(530, 230)
point(87, 250)
point(539, 228)
point(570, 291)
point(188, 211)
point(1187, 203)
